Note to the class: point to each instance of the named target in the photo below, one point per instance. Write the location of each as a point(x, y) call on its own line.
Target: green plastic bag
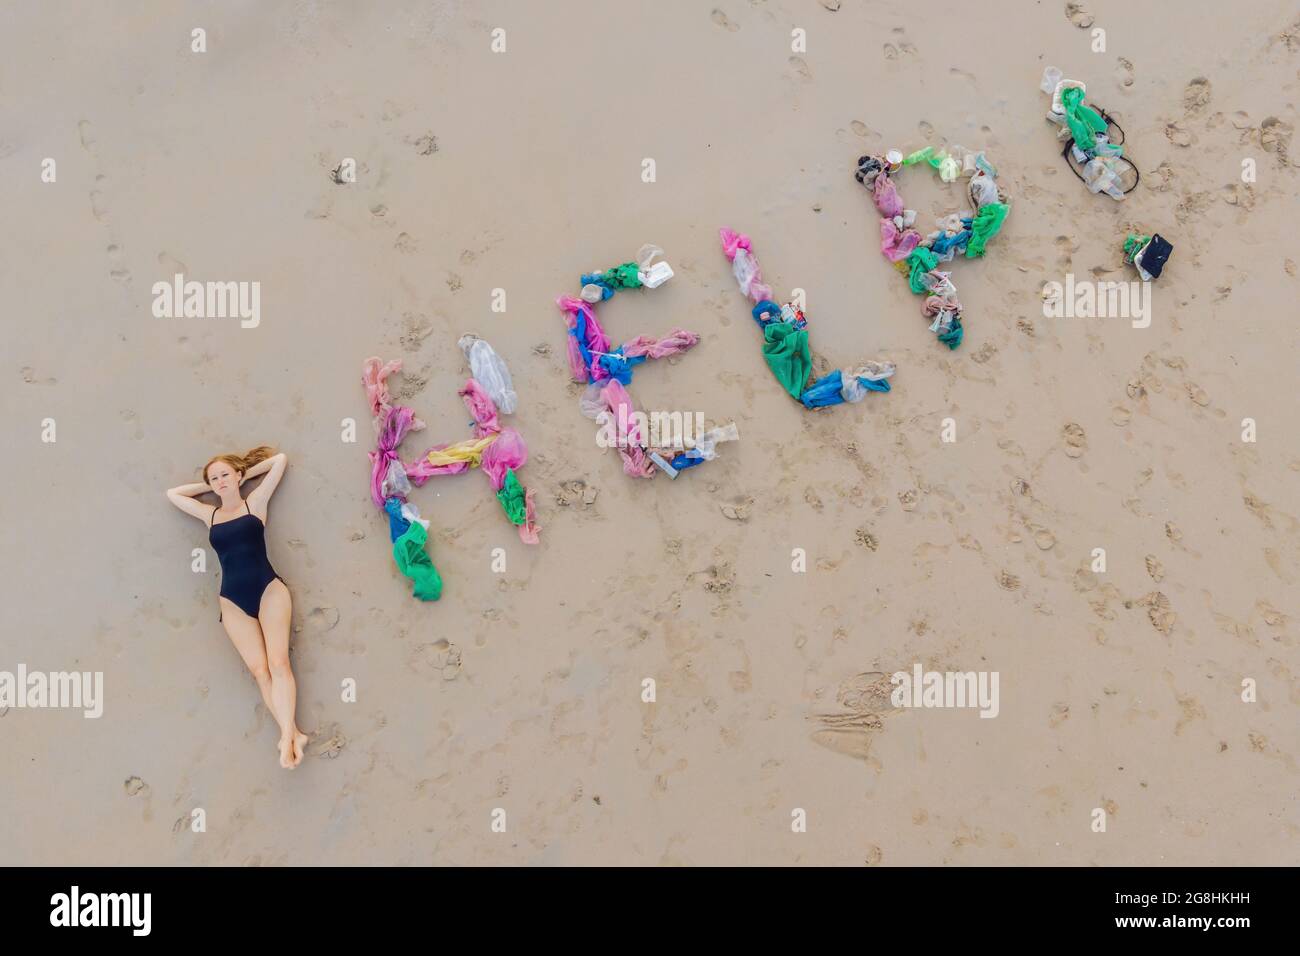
point(1084, 122)
point(985, 226)
point(788, 355)
point(921, 261)
point(413, 561)
point(512, 500)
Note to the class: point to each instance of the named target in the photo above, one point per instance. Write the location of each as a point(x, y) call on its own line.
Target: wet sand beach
point(522, 690)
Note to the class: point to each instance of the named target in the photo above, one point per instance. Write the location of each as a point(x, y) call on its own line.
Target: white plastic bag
point(491, 372)
point(395, 483)
point(745, 269)
point(852, 389)
point(592, 402)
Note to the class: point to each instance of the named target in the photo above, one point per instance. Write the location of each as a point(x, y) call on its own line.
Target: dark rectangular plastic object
point(1156, 255)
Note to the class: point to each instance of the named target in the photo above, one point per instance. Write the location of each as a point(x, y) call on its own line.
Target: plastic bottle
point(1051, 76)
point(1101, 178)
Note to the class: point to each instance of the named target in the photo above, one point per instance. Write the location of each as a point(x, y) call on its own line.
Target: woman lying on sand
point(255, 604)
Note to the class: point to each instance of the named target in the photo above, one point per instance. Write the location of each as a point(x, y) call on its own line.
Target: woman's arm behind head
point(261, 496)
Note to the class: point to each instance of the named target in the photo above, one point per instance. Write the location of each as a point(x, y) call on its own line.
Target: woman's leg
point(274, 615)
point(246, 634)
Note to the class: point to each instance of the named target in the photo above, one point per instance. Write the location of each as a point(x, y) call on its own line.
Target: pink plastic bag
point(374, 376)
point(897, 245)
point(529, 531)
point(397, 421)
point(481, 408)
point(678, 340)
point(635, 460)
point(731, 241)
point(596, 339)
point(886, 195)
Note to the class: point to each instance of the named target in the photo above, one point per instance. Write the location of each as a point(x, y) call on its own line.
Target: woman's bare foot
point(286, 753)
point(299, 747)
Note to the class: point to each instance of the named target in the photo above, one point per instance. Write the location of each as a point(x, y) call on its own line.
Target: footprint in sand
point(171, 263)
point(1077, 15)
point(328, 743)
point(1155, 569)
point(721, 20)
point(1196, 96)
point(800, 66)
point(1179, 136)
point(866, 539)
point(904, 45)
point(134, 785)
point(1076, 441)
point(1275, 137)
point(891, 51)
point(1008, 581)
point(323, 618)
point(1124, 75)
point(1119, 415)
point(1197, 394)
point(908, 499)
point(953, 71)
point(117, 269)
point(416, 328)
point(30, 377)
point(926, 130)
point(425, 145)
point(719, 578)
point(813, 500)
point(738, 509)
point(1066, 248)
point(576, 491)
point(131, 418)
point(1159, 611)
point(860, 128)
point(1166, 180)
point(1239, 194)
point(86, 135)
point(447, 659)
point(1044, 539)
point(1272, 616)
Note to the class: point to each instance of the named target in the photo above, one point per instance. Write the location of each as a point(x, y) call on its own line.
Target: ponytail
point(256, 455)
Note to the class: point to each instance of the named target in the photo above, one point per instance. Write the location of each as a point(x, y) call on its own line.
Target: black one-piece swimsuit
point(245, 569)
